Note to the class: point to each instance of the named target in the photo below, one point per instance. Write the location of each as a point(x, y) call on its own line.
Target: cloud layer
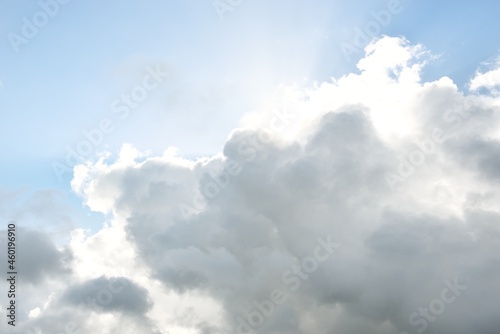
point(368, 204)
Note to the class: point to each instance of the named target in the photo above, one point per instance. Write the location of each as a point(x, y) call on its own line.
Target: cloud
point(399, 172)
point(44, 209)
point(38, 257)
point(110, 294)
point(489, 80)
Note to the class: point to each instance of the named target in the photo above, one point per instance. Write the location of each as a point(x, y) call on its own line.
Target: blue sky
point(63, 80)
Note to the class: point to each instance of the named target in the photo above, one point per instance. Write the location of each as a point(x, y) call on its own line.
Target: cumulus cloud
point(489, 80)
point(113, 294)
point(39, 257)
point(367, 204)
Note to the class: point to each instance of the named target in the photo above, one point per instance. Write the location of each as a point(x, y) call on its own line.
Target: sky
point(237, 166)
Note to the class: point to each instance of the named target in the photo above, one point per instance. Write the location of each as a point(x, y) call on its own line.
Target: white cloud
point(208, 239)
point(489, 80)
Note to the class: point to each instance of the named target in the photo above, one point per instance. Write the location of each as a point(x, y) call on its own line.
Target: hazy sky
point(187, 159)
